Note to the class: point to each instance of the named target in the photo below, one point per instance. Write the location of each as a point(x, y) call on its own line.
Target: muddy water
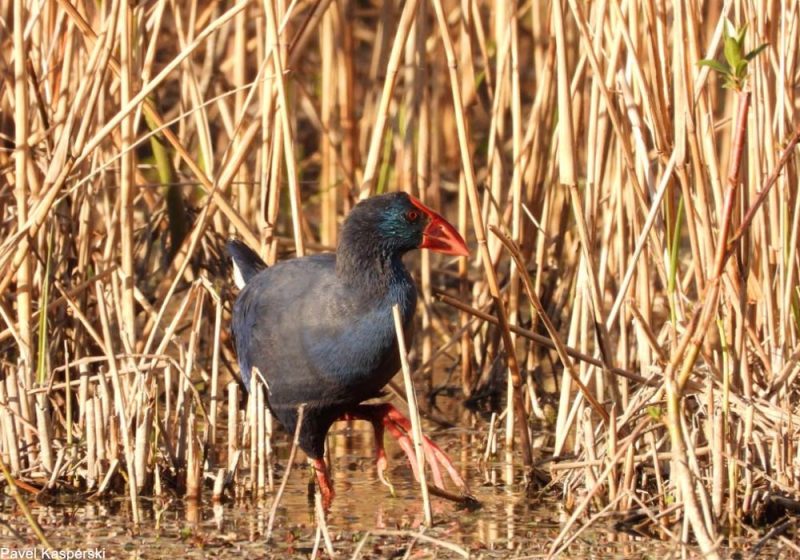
point(364, 517)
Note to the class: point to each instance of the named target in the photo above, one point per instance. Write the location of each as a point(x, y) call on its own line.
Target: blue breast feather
point(353, 354)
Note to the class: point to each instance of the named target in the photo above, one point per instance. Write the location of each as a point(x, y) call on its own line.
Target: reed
point(633, 294)
point(413, 410)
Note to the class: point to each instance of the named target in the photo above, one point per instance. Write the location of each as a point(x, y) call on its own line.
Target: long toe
point(433, 453)
point(444, 460)
point(382, 465)
point(431, 458)
point(405, 443)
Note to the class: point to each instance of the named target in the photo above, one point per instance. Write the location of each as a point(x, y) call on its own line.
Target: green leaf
point(42, 357)
point(755, 52)
point(714, 65)
point(741, 69)
point(733, 52)
point(740, 35)
point(654, 412)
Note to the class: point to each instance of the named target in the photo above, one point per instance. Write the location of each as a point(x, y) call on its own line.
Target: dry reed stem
point(594, 489)
point(382, 113)
point(322, 524)
point(273, 510)
point(215, 358)
point(120, 405)
point(288, 145)
point(32, 226)
point(233, 424)
point(536, 304)
point(128, 163)
point(21, 108)
point(480, 234)
point(413, 412)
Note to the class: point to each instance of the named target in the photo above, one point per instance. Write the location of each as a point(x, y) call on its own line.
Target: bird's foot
point(324, 483)
point(387, 416)
point(400, 428)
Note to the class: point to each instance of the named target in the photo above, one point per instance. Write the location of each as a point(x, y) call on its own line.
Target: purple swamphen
point(320, 328)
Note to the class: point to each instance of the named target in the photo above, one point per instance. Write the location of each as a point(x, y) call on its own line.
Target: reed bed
point(633, 292)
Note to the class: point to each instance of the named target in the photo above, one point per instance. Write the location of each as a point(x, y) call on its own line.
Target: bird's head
point(398, 222)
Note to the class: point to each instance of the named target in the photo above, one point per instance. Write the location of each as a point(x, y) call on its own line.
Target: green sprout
point(734, 73)
point(655, 412)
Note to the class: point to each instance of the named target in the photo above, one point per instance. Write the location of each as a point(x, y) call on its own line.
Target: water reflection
point(510, 521)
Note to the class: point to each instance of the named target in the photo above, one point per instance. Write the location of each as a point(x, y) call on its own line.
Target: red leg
point(380, 453)
point(387, 416)
point(324, 481)
point(439, 456)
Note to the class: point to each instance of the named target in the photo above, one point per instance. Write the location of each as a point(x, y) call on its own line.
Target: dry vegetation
point(636, 229)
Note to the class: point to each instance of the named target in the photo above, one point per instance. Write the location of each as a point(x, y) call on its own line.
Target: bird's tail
point(246, 262)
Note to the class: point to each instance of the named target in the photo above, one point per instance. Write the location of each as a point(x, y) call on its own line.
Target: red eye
point(412, 215)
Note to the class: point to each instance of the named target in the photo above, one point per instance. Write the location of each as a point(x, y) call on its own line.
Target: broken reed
point(581, 146)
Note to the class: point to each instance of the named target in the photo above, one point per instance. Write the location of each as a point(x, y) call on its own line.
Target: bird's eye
point(412, 215)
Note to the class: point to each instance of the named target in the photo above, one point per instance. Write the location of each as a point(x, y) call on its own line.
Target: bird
point(320, 332)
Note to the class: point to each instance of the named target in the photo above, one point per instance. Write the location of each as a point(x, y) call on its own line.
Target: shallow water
point(510, 523)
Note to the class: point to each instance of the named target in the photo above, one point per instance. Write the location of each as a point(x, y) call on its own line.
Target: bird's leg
point(381, 463)
point(324, 482)
point(387, 416)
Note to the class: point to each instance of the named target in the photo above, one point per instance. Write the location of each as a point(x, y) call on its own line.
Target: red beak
point(439, 235)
